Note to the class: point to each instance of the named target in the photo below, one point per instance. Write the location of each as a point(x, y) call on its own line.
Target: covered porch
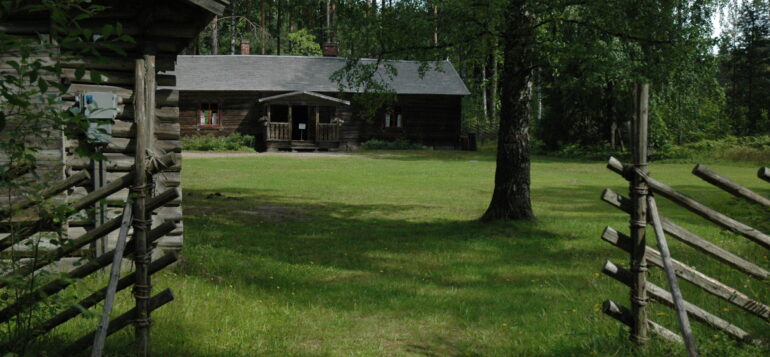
point(301, 120)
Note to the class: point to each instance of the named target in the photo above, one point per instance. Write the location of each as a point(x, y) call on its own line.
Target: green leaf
point(96, 77)
point(107, 30)
point(42, 84)
point(14, 64)
point(79, 72)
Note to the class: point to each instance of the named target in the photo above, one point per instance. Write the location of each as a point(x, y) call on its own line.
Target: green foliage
point(31, 113)
point(303, 43)
point(233, 142)
point(745, 67)
point(398, 144)
point(735, 149)
point(748, 149)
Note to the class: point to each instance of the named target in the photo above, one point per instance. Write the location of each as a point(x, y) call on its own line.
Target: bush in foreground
point(233, 142)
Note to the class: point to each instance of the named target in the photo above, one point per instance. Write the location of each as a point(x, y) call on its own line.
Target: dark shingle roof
point(296, 73)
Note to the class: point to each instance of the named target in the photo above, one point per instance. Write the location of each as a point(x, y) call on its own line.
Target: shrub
point(398, 144)
point(754, 149)
point(233, 142)
point(747, 149)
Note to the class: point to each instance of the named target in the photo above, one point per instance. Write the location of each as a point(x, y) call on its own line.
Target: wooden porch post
point(317, 121)
point(269, 128)
point(291, 127)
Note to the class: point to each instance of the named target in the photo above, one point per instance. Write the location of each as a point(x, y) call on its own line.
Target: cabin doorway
point(300, 123)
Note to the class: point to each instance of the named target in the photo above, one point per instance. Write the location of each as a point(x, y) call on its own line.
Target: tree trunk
point(263, 26)
point(493, 77)
point(214, 37)
point(232, 27)
point(511, 197)
point(278, 29)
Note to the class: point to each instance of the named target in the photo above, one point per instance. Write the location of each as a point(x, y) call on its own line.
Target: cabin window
point(393, 117)
point(209, 114)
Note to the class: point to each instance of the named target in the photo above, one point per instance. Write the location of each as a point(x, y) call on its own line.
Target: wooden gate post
point(144, 114)
point(638, 191)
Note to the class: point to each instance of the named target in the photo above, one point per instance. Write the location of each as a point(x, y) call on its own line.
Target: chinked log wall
point(120, 153)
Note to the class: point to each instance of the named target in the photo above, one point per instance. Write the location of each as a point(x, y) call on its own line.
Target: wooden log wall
point(239, 112)
point(432, 120)
point(120, 153)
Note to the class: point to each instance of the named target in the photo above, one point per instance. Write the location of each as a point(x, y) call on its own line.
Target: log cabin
point(160, 29)
point(290, 102)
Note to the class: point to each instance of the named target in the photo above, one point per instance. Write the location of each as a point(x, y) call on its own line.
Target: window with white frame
point(209, 114)
point(393, 117)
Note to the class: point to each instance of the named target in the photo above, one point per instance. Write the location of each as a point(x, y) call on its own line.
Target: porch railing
point(328, 132)
point(278, 131)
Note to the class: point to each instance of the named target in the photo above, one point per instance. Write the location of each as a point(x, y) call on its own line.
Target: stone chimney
point(245, 47)
point(330, 49)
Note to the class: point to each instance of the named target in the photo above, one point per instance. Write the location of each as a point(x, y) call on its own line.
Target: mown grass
point(380, 254)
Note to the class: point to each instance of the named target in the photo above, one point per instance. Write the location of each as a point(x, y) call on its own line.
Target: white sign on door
point(302, 126)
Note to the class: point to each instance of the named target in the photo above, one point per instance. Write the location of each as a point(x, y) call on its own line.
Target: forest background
point(708, 62)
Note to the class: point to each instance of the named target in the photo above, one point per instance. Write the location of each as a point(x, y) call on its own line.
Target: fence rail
point(642, 185)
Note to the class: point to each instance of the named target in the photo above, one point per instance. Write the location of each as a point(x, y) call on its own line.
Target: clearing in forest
point(380, 254)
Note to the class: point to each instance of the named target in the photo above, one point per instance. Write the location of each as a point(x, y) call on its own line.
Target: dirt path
point(209, 154)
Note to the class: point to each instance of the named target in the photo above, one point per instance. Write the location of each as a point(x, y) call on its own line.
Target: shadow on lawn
point(348, 257)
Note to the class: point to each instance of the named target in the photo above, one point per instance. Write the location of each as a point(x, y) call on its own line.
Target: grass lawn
point(380, 254)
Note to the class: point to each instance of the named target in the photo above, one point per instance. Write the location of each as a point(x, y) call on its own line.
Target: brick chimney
point(245, 47)
point(330, 49)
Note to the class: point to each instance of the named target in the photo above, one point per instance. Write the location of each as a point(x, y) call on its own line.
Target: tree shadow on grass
point(346, 257)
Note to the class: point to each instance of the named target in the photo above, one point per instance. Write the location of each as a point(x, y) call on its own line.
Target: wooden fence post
point(638, 191)
point(144, 114)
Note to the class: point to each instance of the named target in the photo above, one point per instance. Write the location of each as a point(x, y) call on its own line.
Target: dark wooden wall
point(432, 120)
point(239, 112)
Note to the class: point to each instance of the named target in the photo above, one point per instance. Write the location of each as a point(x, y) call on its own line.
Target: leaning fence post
point(668, 266)
point(638, 192)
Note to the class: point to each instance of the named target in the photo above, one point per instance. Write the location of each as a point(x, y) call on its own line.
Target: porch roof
point(303, 97)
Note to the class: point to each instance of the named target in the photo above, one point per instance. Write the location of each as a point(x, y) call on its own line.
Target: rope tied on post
point(154, 164)
point(143, 322)
point(141, 291)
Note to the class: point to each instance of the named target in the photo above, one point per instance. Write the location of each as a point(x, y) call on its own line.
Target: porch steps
point(297, 146)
